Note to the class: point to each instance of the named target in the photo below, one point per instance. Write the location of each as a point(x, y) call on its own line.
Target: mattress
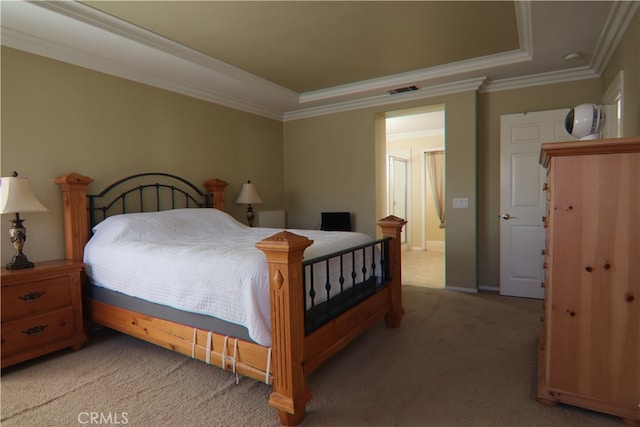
point(200, 261)
point(138, 305)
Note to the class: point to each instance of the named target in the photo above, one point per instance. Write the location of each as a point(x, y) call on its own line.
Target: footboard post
point(391, 226)
point(284, 252)
point(76, 225)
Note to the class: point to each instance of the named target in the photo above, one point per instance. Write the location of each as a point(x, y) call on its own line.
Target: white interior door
point(522, 201)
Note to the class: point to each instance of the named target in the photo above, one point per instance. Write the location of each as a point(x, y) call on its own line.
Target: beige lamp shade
point(16, 196)
point(249, 194)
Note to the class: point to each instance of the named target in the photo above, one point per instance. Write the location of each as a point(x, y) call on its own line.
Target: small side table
point(41, 310)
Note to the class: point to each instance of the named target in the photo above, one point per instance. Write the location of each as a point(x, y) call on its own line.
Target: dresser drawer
point(36, 331)
point(36, 297)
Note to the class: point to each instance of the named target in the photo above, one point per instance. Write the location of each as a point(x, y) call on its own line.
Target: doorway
point(412, 139)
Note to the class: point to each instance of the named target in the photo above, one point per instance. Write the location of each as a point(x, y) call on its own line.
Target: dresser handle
point(36, 330)
point(33, 296)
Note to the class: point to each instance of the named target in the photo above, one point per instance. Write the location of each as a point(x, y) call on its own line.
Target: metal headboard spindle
point(192, 195)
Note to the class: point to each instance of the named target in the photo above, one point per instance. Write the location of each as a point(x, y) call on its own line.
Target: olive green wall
point(329, 166)
point(333, 161)
point(311, 143)
point(58, 118)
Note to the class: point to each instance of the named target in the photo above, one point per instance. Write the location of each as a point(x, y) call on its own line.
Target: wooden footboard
point(293, 356)
point(232, 354)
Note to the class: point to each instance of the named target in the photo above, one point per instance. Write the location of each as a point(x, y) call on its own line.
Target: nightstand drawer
point(36, 297)
point(36, 331)
point(41, 310)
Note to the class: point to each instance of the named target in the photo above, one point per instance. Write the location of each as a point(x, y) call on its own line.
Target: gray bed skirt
point(201, 321)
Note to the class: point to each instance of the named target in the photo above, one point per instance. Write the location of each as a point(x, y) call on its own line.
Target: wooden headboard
point(130, 194)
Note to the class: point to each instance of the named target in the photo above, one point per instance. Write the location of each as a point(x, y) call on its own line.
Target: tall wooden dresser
point(589, 347)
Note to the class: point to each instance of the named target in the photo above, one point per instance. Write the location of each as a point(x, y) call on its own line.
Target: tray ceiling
point(306, 46)
point(293, 59)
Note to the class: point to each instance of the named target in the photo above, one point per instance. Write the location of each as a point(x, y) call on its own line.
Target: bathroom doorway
point(415, 149)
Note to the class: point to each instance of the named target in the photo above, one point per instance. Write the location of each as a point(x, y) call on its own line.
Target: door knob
point(506, 216)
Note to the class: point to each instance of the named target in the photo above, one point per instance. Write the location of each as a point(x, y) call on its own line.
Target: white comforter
point(197, 260)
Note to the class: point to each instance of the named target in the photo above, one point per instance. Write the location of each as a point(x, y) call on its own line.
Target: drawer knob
point(36, 330)
point(33, 296)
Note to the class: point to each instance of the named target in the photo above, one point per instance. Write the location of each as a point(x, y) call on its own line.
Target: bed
point(305, 294)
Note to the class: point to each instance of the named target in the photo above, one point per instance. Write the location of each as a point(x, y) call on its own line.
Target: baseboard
point(435, 243)
point(489, 288)
point(460, 289)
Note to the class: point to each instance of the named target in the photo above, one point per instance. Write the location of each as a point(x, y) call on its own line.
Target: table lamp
point(16, 197)
point(249, 195)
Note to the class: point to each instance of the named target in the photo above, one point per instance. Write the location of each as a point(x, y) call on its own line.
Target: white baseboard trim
point(489, 288)
point(417, 248)
point(460, 289)
point(435, 243)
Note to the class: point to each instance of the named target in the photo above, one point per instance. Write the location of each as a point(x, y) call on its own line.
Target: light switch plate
point(460, 202)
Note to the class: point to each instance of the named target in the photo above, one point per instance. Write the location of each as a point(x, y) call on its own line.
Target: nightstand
point(41, 310)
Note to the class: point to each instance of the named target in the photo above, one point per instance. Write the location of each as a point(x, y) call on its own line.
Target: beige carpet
point(457, 360)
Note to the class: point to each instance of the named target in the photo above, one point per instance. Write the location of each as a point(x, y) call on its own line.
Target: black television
point(335, 221)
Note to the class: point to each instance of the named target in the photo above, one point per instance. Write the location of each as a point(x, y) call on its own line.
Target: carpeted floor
point(457, 360)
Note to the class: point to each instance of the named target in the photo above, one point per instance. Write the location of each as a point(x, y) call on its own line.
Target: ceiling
point(307, 46)
point(415, 125)
point(293, 59)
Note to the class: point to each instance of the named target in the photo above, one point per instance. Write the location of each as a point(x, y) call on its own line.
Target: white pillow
point(165, 225)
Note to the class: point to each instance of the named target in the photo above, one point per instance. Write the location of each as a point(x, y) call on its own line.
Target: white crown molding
point(562, 76)
point(69, 31)
point(525, 30)
point(46, 48)
point(523, 17)
point(130, 32)
point(386, 99)
point(412, 77)
point(617, 22)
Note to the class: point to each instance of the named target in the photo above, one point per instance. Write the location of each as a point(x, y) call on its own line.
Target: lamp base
point(18, 236)
point(250, 215)
point(19, 262)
